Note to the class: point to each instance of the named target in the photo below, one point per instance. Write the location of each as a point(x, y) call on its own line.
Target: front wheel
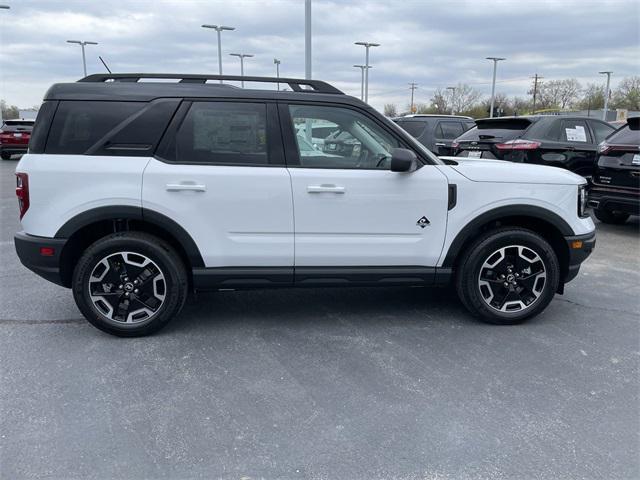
point(508, 275)
point(129, 284)
point(607, 216)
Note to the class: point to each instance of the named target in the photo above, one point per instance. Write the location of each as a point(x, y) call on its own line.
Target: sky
point(432, 43)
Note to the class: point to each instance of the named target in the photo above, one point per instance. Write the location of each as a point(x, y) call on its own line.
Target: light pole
point(241, 56)
point(493, 84)
point(307, 39)
point(219, 28)
point(366, 45)
point(362, 68)
point(453, 96)
point(4, 7)
point(606, 95)
point(84, 59)
point(277, 64)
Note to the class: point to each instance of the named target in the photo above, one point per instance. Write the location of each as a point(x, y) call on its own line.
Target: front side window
point(223, 133)
point(355, 141)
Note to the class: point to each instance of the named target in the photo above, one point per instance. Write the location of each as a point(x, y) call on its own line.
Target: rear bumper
point(580, 247)
point(612, 200)
point(28, 250)
point(10, 148)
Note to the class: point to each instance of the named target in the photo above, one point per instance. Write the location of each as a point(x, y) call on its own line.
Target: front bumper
point(28, 248)
point(615, 200)
point(580, 247)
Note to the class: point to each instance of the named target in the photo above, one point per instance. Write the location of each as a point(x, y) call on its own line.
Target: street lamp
point(276, 62)
point(606, 95)
point(241, 56)
point(493, 84)
point(362, 69)
point(219, 29)
point(453, 96)
point(366, 45)
point(84, 59)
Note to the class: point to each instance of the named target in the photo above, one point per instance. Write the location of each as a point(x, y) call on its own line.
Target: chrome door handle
point(194, 187)
point(325, 189)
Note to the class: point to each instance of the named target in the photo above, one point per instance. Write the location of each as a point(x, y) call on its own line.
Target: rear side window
point(78, 125)
point(497, 128)
point(449, 130)
point(414, 129)
point(574, 131)
point(223, 133)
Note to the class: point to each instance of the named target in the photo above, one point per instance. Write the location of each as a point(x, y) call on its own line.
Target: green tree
point(627, 94)
point(390, 110)
point(8, 112)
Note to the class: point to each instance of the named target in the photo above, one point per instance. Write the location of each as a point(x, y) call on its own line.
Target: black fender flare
point(532, 211)
point(127, 212)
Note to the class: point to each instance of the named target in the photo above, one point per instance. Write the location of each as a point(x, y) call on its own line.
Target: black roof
point(128, 87)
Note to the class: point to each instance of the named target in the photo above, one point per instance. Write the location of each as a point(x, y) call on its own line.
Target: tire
point(5, 156)
point(532, 280)
point(607, 216)
point(129, 284)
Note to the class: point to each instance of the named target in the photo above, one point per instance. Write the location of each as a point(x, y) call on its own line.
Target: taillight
point(518, 145)
point(22, 192)
point(605, 148)
point(454, 145)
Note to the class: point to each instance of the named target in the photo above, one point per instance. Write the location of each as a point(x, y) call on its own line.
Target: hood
point(502, 171)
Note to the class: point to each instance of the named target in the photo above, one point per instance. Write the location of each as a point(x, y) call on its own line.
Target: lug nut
point(126, 279)
point(135, 282)
point(135, 291)
point(506, 284)
point(119, 286)
point(126, 294)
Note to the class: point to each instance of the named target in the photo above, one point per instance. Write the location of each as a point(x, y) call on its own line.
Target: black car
point(615, 190)
point(558, 141)
point(436, 132)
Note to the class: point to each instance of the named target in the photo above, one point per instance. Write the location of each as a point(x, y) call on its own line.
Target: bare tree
point(559, 93)
point(390, 110)
point(592, 98)
point(627, 95)
point(464, 97)
point(440, 101)
point(8, 112)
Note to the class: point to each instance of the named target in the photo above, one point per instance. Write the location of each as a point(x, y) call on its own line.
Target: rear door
point(446, 131)
point(570, 144)
point(220, 174)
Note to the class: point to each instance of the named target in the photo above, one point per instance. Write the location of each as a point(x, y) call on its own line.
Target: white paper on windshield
point(576, 134)
point(636, 159)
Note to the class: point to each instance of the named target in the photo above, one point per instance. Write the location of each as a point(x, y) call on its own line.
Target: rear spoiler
point(634, 123)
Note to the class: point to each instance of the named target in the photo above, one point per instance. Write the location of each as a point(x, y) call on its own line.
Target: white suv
point(135, 193)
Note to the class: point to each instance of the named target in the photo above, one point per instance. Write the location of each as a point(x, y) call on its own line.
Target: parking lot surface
point(324, 383)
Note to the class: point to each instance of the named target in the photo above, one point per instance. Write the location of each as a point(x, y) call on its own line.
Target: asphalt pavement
point(365, 383)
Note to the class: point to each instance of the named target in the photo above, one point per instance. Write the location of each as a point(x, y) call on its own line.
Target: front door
point(350, 209)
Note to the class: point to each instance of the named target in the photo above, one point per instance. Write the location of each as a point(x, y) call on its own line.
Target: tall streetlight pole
point(307, 39)
point(241, 56)
point(493, 84)
point(84, 59)
point(453, 96)
point(277, 64)
point(362, 68)
point(366, 45)
point(218, 29)
point(606, 95)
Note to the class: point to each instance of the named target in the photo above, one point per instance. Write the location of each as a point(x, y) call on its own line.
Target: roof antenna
point(105, 64)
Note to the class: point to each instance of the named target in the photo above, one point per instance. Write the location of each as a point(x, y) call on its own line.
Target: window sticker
point(576, 134)
point(636, 159)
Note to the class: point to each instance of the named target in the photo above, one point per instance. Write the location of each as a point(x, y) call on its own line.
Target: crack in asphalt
point(595, 307)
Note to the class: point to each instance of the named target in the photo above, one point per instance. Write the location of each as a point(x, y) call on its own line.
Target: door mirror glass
point(403, 160)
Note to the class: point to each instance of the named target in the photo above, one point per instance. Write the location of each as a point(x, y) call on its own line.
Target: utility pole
point(241, 56)
point(412, 86)
point(453, 96)
point(307, 39)
point(536, 78)
point(493, 84)
point(218, 29)
point(606, 95)
point(84, 59)
point(277, 64)
point(367, 45)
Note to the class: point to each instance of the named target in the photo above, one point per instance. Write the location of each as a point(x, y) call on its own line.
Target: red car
point(14, 137)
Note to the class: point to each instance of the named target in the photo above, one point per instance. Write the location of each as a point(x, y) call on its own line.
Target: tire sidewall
point(150, 247)
point(484, 249)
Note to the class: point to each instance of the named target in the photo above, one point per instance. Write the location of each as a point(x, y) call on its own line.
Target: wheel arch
point(546, 223)
point(91, 225)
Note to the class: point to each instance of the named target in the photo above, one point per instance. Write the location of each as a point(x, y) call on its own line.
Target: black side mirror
point(403, 160)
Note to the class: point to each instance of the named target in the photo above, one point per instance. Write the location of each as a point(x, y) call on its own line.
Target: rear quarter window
point(78, 125)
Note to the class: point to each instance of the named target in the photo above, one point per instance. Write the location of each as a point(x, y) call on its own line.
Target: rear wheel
point(5, 156)
point(129, 284)
point(608, 216)
point(508, 275)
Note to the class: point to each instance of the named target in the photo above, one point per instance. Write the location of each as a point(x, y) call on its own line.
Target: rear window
point(449, 130)
point(497, 128)
point(78, 125)
point(17, 126)
point(626, 135)
point(414, 129)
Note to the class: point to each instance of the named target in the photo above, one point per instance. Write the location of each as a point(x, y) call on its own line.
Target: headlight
point(582, 201)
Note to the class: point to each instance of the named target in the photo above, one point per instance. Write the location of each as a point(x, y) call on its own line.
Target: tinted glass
point(625, 136)
point(498, 129)
point(17, 126)
point(223, 133)
point(79, 125)
point(413, 128)
point(601, 130)
point(41, 126)
point(356, 141)
point(449, 130)
point(574, 131)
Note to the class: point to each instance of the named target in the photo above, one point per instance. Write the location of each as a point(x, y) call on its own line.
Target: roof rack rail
point(296, 84)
